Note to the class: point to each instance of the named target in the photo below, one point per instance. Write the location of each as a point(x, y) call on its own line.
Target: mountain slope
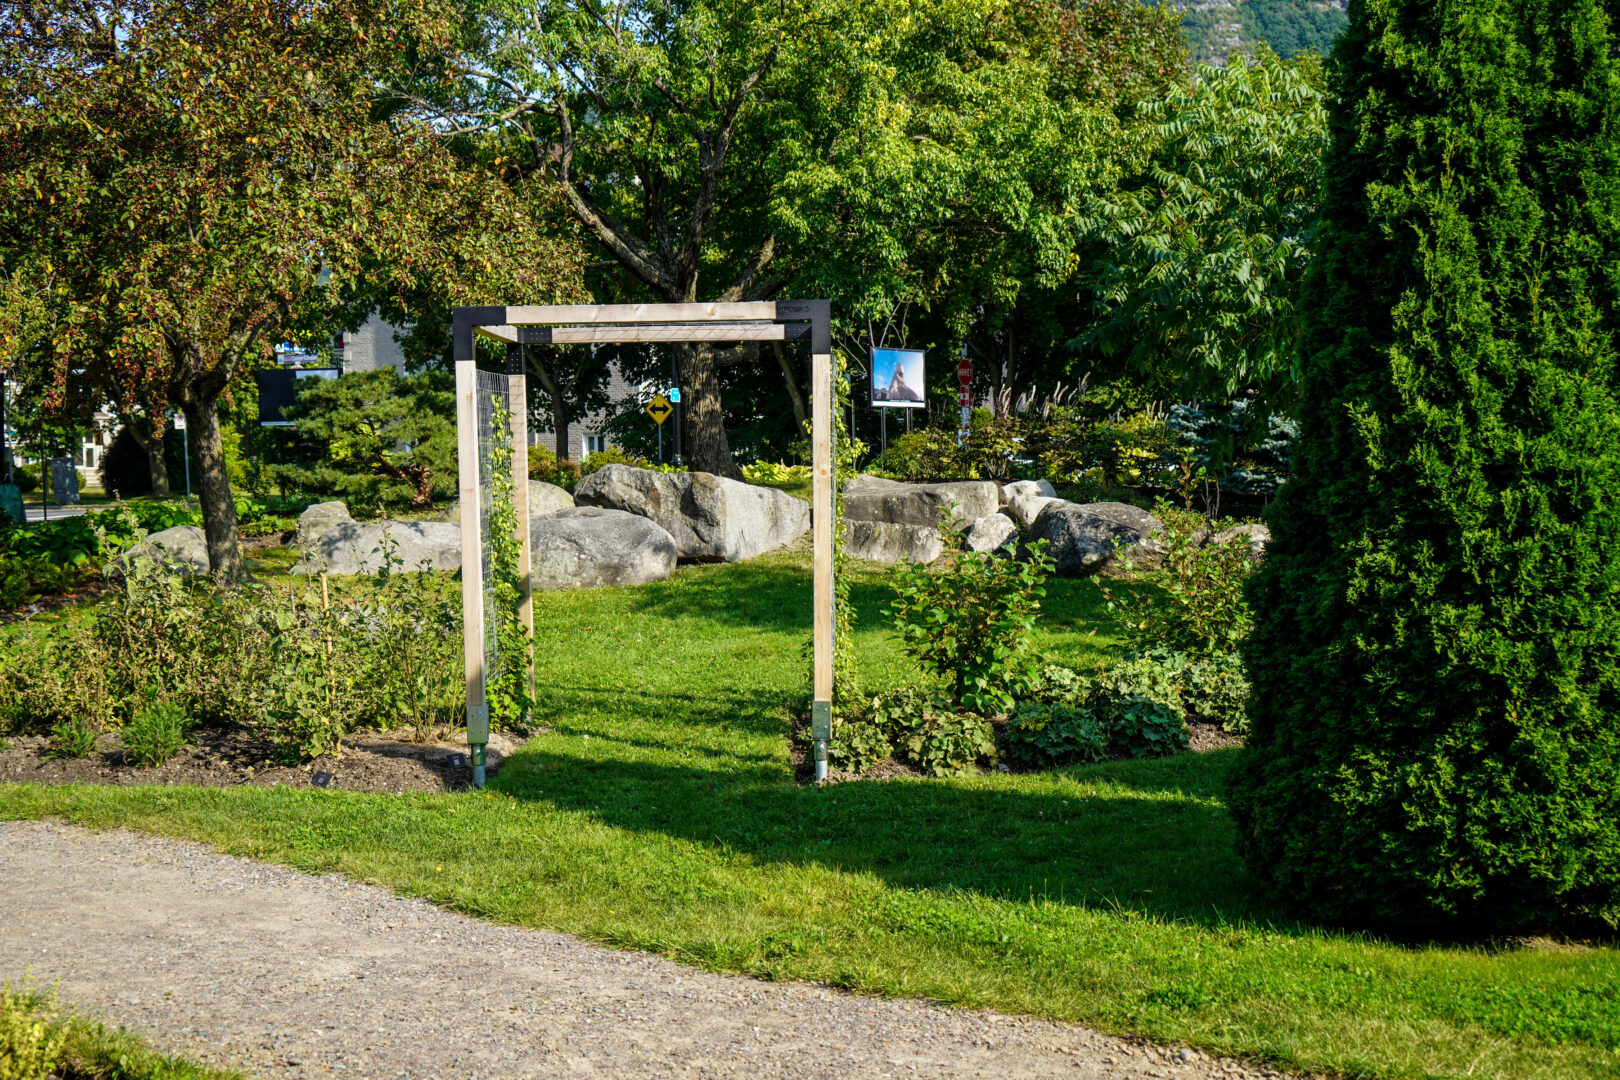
point(1215, 28)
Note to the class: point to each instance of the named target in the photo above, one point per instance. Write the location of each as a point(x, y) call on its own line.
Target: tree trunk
point(559, 407)
point(704, 424)
point(152, 446)
point(213, 486)
point(801, 418)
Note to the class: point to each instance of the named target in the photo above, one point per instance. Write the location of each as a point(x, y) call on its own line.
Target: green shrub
point(775, 475)
point(544, 466)
point(71, 739)
point(155, 735)
point(1044, 735)
point(947, 743)
point(969, 618)
point(31, 1038)
point(1434, 742)
point(1198, 605)
point(858, 742)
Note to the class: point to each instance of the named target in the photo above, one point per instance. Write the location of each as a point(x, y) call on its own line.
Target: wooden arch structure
point(566, 324)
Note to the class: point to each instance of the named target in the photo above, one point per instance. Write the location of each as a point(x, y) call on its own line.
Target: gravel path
point(257, 967)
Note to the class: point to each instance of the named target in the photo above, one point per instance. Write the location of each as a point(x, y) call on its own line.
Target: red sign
point(967, 397)
point(964, 372)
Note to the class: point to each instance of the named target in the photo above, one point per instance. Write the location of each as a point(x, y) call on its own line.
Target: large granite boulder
point(544, 499)
point(886, 542)
point(989, 533)
point(1019, 488)
point(318, 518)
point(588, 546)
point(355, 548)
point(183, 549)
point(1086, 537)
point(1024, 509)
point(872, 498)
point(712, 519)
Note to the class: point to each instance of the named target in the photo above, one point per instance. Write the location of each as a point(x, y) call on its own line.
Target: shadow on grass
point(1146, 836)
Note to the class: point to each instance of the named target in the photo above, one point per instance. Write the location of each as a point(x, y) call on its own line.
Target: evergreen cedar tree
point(1434, 661)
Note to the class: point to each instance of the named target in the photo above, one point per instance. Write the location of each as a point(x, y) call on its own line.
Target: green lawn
point(659, 812)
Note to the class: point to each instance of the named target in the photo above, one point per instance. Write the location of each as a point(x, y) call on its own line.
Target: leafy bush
point(71, 739)
point(969, 619)
point(614, 455)
point(31, 1039)
point(1198, 606)
point(859, 742)
point(775, 475)
point(155, 734)
point(932, 453)
point(544, 466)
point(1045, 735)
point(25, 578)
point(300, 669)
point(1214, 688)
point(947, 743)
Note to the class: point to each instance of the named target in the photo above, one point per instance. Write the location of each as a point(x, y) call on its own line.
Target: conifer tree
point(1437, 714)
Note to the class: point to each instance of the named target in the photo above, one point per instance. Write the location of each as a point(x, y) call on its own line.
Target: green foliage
point(969, 619)
point(1208, 243)
point(1289, 26)
point(1435, 680)
point(1198, 605)
point(1140, 704)
point(71, 739)
point(1212, 687)
point(509, 681)
point(382, 438)
point(859, 741)
point(155, 734)
point(1045, 735)
point(945, 742)
point(299, 668)
point(932, 453)
point(546, 467)
point(30, 1039)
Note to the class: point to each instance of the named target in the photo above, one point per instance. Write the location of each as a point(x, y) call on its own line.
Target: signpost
point(675, 398)
point(964, 376)
point(185, 438)
point(659, 409)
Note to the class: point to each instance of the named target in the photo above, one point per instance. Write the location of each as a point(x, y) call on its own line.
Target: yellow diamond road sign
point(659, 408)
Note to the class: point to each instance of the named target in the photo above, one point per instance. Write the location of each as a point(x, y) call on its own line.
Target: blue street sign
point(674, 395)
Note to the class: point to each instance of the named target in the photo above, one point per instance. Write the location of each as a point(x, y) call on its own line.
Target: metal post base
point(821, 760)
point(478, 764)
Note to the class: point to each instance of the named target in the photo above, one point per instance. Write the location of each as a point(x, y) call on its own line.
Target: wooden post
point(517, 394)
point(821, 511)
point(472, 573)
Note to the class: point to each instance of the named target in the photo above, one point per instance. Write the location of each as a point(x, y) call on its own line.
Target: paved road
point(35, 513)
point(254, 966)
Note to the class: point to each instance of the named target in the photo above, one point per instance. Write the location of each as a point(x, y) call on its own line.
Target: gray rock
point(588, 546)
point(989, 533)
point(712, 519)
point(1257, 535)
point(1011, 491)
point(872, 498)
point(1086, 537)
point(1024, 509)
point(356, 548)
point(544, 499)
point(183, 548)
point(318, 518)
point(886, 542)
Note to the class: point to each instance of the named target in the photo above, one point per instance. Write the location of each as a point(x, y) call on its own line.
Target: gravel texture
point(252, 966)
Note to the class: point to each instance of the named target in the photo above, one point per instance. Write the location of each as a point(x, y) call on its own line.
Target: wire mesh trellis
point(494, 400)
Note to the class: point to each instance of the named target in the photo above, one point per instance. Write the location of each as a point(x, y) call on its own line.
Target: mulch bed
point(228, 757)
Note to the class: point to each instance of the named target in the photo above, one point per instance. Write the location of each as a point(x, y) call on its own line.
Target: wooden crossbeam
point(564, 314)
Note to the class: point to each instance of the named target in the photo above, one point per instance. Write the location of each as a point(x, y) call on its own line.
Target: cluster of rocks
point(628, 526)
point(622, 526)
point(889, 521)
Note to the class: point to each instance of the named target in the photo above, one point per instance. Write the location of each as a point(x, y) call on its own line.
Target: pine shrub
point(1434, 739)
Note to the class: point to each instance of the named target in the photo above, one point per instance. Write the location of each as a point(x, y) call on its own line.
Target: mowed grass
point(659, 811)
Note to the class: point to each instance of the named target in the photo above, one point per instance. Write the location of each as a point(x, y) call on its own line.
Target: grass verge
point(37, 1040)
point(658, 812)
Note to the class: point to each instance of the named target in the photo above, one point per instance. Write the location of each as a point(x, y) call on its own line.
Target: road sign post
point(964, 376)
point(659, 409)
